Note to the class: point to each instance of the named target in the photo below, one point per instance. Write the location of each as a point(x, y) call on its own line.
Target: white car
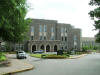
point(21, 54)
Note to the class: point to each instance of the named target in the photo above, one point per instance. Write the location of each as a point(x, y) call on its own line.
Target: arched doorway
point(47, 48)
point(42, 47)
point(55, 48)
point(33, 48)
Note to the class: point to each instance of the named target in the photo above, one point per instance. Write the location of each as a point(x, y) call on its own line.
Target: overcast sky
point(74, 12)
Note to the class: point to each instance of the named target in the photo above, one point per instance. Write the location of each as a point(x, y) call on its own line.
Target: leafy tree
point(13, 25)
point(95, 15)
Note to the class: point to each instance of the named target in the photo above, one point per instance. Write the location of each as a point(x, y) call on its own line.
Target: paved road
point(88, 65)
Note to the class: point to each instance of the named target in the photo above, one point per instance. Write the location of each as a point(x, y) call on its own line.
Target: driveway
point(87, 65)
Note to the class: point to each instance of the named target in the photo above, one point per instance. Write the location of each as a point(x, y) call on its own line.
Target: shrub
point(54, 56)
point(2, 57)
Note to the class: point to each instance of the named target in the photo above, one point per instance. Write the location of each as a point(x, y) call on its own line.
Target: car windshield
point(20, 52)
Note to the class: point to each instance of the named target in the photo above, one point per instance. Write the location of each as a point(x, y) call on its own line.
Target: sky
point(74, 12)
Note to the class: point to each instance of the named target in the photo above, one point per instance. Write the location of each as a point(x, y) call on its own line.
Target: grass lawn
point(51, 56)
point(36, 55)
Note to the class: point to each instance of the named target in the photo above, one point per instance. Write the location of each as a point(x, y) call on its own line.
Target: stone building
point(89, 41)
point(50, 36)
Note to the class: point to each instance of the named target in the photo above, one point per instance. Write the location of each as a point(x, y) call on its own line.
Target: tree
point(95, 15)
point(13, 25)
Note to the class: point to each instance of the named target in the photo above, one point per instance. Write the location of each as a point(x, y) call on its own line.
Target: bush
point(2, 57)
point(65, 53)
point(54, 56)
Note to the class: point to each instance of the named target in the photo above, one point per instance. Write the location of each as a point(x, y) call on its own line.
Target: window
point(52, 29)
point(32, 31)
point(65, 30)
point(62, 32)
point(32, 37)
point(44, 37)
point(40, 37)
point(62, 38)
point(52, 37)
point(75, 37)
point(65, 47)
point(40, 28)
point(52, 33)
point(45, 28)
point(65, 38)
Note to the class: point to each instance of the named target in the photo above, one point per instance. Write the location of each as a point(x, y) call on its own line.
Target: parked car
point(21, 54)
point(38, 51)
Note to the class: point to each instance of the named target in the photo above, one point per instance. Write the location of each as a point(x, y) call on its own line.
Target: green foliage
point(52, 56)
point(2, 57)
point(85, 48)
point(36, 55)
point(13, 25)
point(95, 15)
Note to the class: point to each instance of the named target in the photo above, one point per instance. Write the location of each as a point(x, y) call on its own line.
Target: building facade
point(50, 36)
point(89, 42)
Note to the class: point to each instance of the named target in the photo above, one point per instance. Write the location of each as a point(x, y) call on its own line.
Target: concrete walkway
point(16, 66)
point(77, 56)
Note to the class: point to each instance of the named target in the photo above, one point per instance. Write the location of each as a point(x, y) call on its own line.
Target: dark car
point(38, 51)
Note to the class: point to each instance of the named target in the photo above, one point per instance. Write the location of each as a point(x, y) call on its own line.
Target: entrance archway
point(47, 48)
point(33, 48)
point(42, 47)
point(55, 48)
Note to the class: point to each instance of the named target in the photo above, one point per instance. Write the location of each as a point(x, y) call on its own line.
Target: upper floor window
point(62, 38)
point(32, 32)
point(45, 28)
point(41, 38)
point(62, 30)
point(32, 29)
point(75, 37)
point(65, 30)
point(65, 38)
point(40, 28)
point(52, 37)
point(32, 37)
point(52, 29)
point(44, 37)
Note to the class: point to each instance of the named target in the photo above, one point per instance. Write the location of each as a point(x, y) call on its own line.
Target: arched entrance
point(47, 48)
point(42, 47)
point(33, 48)
point(55, 48)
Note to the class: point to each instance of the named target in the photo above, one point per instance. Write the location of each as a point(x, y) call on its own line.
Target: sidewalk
point(16, 66)
point(77, 56)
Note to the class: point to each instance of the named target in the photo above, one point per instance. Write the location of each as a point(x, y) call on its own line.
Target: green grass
point(51, 56)
point(36, 55)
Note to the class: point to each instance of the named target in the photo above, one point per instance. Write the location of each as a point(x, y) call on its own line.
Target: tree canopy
point(13, 25)
point(95, 15)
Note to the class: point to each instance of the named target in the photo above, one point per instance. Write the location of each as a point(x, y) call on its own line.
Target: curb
point(76, 57)
point(20, 70)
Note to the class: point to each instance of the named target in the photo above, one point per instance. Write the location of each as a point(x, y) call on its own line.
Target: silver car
point(21, 54)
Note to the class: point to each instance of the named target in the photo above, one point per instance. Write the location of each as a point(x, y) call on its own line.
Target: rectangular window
point(75, 38)
point(65, 38)
point(41, 38)
point(52, 37)
point(62, 38)
point(40, 28)
point(44, 37)
point(32, 37)
point(32, 31)
point(45, 28)
point(52, 29)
